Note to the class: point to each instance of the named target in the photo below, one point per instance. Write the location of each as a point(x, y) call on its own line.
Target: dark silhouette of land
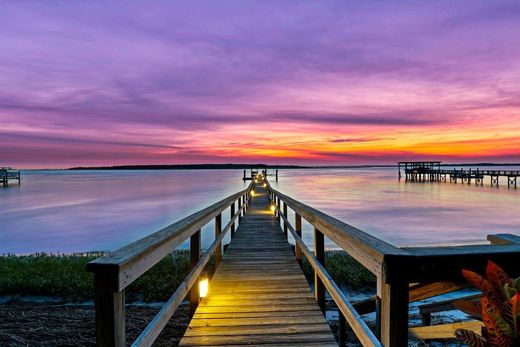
point(260, 166)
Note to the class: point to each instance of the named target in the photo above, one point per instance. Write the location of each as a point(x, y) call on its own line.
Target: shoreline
point(65, 276)
point(175, 167)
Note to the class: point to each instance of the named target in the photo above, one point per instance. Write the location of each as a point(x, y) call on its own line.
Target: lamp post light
point(203, 285)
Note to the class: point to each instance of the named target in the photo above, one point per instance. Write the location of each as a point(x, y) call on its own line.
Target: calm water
point(69, 211)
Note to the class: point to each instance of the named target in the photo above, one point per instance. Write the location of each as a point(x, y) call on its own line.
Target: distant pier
point(8, 174)
point(253, 172)
point(431, 171)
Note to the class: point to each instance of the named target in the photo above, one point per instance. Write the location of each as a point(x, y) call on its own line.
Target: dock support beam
point(218, 229)
point(393, 311)
point(342, 331)
point(232, 224)
point(298, 229)
point(319, 252)
point(285, 224)
point(240, 209)
point(194, 259)
point(110, 312)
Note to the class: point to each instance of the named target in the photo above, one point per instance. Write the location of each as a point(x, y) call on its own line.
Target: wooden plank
point(227, 322)
point(445, 263)
point(443, 331)
point(255, 314)
point(416, 292)
point(280, 327)
point(504, 239)
point(258, 339)
point(296, 344)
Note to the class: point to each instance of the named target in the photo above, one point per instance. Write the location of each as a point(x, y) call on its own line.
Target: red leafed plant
point(499, 309)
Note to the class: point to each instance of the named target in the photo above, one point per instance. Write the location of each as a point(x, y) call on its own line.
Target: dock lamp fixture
point(253, 193)
point(203, 285)
point(273, 208)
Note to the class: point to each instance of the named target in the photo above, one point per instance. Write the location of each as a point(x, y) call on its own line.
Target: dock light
point(203, 285)
point(253, 193)
point(273, 208)
point(265, 185)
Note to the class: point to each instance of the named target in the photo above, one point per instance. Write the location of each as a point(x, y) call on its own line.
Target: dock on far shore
point(422, 171)
point(254, 172)
point(9, 174)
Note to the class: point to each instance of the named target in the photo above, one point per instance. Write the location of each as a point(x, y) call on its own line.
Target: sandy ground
point(57, 324)
point(47, 324)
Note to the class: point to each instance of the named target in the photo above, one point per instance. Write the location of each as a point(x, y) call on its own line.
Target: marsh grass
point(66, 276)
point(344, 270)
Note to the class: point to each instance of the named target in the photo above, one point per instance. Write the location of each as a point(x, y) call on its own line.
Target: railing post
point(194, 258)
point(279, 206)
point(110, 312)
point(218, 229)
point(233, 223)
point(342, 331)
point(319, 252)
point(239, 209)
point(393, 311)
point(284, 223)
point(298, 229)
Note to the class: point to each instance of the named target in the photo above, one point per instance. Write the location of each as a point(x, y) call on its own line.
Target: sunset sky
point(292, 82)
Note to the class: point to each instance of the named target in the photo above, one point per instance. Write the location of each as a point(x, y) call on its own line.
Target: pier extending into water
point(254, 173)
point(258, 294)
point(8, 174)
point(431, 171)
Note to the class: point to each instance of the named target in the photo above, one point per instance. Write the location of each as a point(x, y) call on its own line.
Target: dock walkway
point(259, 294)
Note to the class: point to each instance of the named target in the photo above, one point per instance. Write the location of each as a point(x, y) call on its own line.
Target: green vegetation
point(344, 270)
point(65, 275)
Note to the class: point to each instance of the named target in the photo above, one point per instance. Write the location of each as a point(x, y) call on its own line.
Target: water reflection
point(405, 213)
point(69, 211)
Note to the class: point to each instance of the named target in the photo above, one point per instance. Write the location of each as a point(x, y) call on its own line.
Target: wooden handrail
point(365, 248)
point(131, 261)
point(360, 328)
point(436, 269)
point(114, 272)
point(160, 320)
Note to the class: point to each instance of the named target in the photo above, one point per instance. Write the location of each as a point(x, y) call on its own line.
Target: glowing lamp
point(273, 208)
point(253, 193)
point(203, 285)
point(265, 185)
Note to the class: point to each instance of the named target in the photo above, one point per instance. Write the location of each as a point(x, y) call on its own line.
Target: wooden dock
point(431, 171)
point(258, 294)
point(259, 173)
point(7, 174)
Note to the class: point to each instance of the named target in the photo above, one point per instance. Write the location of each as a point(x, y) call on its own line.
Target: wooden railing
point(403, 274)
point(114, 272)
